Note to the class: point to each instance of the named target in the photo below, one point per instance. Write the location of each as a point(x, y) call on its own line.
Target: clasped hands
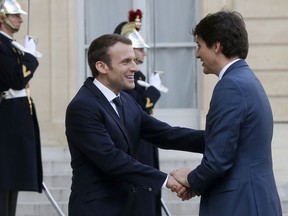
point(178, 183)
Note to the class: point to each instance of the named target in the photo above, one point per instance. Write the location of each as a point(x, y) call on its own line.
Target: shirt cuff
point(165, 183)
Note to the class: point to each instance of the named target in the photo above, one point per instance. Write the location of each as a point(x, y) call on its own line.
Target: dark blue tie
point(117, 101)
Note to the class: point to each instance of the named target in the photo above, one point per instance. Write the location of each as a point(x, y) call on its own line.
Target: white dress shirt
point(110, 95)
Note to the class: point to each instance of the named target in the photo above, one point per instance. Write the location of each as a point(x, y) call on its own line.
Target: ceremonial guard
point(20, 150)
point(146, 94)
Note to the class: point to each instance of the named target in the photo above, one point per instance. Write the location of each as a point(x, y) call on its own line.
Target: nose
point(197, 54)
point(20, 18)
point(134, 67)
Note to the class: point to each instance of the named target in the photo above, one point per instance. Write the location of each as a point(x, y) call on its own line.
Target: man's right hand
point(180, 175)
point(182, 192)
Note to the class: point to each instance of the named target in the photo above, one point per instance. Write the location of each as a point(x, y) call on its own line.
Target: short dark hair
point(225, 27)
point(98, 50)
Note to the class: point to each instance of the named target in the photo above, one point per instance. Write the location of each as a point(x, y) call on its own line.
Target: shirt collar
point(225, 68)
point(110, 95)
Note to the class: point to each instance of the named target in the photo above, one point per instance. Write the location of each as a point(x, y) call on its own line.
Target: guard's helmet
point(130, 29)
point(11, 7)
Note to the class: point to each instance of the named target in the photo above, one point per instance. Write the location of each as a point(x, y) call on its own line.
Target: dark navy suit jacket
point(105, 174)
point(235, 176)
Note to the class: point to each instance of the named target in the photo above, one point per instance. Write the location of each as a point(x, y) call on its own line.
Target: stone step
point(62, 167)
point(40, 209)
point(62, 180)
point(58, 194)
point(55, 153)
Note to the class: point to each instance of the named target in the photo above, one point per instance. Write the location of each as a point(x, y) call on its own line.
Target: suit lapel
point(107, 106)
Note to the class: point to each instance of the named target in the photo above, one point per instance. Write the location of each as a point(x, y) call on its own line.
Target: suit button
point(149, 189)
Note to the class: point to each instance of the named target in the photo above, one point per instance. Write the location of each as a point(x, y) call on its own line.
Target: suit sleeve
point(223, 121)
point(164, 136)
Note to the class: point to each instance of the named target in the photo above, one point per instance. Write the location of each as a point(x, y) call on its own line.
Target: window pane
point(179, 69)
point(102, 17)
point(173, 51)
point(173, 20)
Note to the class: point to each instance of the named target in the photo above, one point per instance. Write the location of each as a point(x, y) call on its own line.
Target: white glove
point(29, 44)
point(155, 80)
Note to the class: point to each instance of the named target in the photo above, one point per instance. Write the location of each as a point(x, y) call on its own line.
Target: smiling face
point(120, 74)
point(208, 56)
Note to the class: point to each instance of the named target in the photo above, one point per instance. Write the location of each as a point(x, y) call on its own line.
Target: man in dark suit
point(20, 149)
point(103, 139)
point(235, 176)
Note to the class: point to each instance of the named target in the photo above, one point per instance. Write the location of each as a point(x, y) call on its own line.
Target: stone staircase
point(57, 178)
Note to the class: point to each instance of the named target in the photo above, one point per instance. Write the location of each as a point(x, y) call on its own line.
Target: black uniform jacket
point(20, 155)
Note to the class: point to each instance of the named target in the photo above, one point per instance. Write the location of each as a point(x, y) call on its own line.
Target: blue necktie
point(117, 101)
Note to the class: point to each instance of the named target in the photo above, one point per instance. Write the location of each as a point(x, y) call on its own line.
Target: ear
point(101, 67)
point(217, 47)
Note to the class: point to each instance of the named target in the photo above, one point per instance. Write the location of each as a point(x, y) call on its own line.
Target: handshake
point(178, 183)
point(29, 46)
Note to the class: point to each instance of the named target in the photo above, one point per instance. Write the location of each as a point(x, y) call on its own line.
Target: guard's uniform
point(145, 97)
point(20, 153)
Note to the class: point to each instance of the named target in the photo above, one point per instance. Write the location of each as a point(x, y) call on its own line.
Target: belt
point(11, 93)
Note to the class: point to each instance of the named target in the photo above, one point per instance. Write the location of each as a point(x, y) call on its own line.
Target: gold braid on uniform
point(29, 99)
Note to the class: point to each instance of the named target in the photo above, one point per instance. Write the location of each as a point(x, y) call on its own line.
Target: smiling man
point(235, 176)
point(103, 138)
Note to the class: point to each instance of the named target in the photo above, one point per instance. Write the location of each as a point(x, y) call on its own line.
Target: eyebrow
point(125, 60)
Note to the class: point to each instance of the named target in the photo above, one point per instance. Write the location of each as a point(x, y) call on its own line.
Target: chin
point(129, 86)
point(132, 86)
